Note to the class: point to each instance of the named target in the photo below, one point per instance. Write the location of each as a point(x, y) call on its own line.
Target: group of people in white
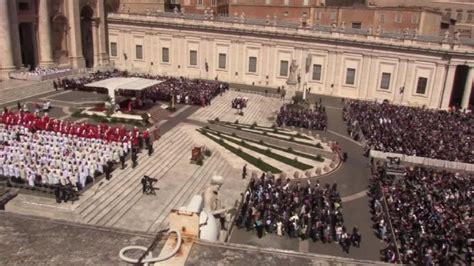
point(54, 158)
point(40, 71)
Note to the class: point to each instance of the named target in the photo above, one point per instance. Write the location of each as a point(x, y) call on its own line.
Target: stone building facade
point(53, 33)
point(461, 11)
point(406, 69)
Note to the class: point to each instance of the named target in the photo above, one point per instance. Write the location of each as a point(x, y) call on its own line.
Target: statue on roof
point(292, 78)
point(379, 30)
point(446, 36)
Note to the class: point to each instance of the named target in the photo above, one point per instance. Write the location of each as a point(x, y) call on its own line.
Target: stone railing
point(295, 31)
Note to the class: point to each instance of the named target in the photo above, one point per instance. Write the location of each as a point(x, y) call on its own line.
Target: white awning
point(115, 84)
point(135, 84)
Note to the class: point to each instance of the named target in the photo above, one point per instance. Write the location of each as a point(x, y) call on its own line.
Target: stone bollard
point(308, 174)
point(318, 171)
point(283, 176)
point(326, 169)
point(296, 175)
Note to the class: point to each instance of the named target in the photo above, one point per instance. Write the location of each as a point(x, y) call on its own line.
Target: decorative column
point(7, 62)
point(448, 87)
point(44, 24)
point(467, 88)
point(104, 55)
point(75, 49)
point(95, 40)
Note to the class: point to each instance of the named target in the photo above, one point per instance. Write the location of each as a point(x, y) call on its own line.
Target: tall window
point(316, 72)
point(268, 2)
point(139, 51)
point(222, 61)
point(286, 2)
point(415, 18)
point(165, 55)
point(305, 2)
point(333, 15)
point(252, 64)
point(350, 76)
point(113, 49)
point(193, 58)
point(381, 17)
point(318, 15)
point(398, 18)
point(283, 68)
point(469, 17)
point(459, 16)
point(199, 2)
point(421, 86)
point(385, 82)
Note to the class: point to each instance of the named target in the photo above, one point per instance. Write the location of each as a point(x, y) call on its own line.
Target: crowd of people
point(431, 214)
point(308, 211)
point(40, 71)
point(239, 103)
point(314, 119)
point(185, 91)
point(39, 158)
point(39, 151)
point(412, 131)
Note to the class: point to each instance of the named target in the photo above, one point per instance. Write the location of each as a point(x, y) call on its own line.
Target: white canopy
point(115, 84)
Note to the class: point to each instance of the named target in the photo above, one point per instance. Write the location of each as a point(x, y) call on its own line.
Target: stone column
point(467, 88)
point(448, 87)
point(95, 40)
point(7, 62)
point(75, 49)
point(104, 55)
point(44, 25)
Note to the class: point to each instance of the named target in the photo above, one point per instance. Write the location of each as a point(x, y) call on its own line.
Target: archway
point(59, 39)
point(86, 33)
point(460, 79)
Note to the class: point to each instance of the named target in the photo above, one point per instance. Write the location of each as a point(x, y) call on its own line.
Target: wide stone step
point(187, 191)
point(121, 177)
point(133, 183)
point(135, 194)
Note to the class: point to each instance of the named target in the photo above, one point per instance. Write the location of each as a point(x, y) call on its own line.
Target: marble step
point(120, 176)
point(133, 184)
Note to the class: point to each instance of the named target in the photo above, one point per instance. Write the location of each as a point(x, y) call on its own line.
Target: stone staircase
point(109, 204)
point(260, 109)
point(25, 91)
point(215, 165)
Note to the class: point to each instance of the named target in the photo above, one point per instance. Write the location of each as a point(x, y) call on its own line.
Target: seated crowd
point(298, 210)
point(314, 119)
point(186, 91)
point(431, 214)
point(412, 131)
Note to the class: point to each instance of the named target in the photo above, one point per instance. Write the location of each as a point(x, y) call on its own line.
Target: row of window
point(415, 18)
point(284, 67)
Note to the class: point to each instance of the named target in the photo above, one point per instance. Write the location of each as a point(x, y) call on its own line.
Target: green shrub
point(261, 141)
point(206, 127)
point(290, 149)
point(242, 142)
point(292, 139)
point(265, 133)
point(217, 119)
point(319, 157)
point(268, 151)
point(239, 150)
point(236, 121)
point(275, 130)
point(221, 141)
point(252, 127)
point(295, 159)
point(298, 134)
point(254, 124)
point(238, 128)
point(227, 123)
point(218, 133)
point(207, 152)
point(113, 120)
point(233, 134)
point(259, 160)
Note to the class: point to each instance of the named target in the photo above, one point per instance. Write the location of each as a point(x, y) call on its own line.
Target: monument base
point(290, 91)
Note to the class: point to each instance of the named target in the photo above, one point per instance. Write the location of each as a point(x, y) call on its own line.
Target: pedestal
point(290, 90)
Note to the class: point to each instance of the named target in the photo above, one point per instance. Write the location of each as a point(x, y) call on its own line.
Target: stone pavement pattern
point(260, 109)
